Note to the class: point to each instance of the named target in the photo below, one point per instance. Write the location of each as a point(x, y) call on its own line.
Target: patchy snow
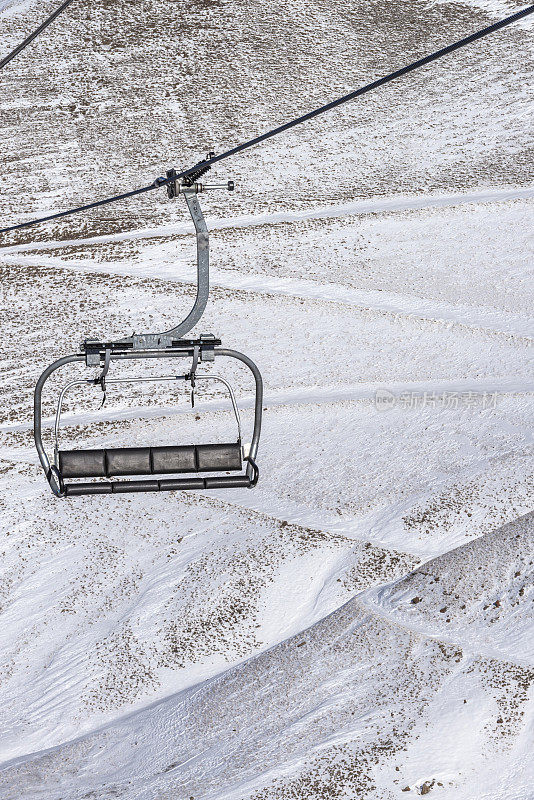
point(359, 625)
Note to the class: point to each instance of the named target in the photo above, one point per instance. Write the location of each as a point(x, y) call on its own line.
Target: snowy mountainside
point(485, 587)
point(360, 625)
point(356, 704)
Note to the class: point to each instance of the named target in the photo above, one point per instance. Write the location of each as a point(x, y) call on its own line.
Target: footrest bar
point(168, 485)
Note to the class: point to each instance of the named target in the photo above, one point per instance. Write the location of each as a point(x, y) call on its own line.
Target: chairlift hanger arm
point(166, 338)
point(173, 337)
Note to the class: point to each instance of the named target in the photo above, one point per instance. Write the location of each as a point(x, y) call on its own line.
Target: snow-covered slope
point(360, 625)
point(484, 588)
point(359, 704)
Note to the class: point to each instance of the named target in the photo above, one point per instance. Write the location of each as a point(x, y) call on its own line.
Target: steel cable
point(29, 39)
point(286, 126)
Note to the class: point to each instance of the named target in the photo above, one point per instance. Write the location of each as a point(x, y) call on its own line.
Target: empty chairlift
point(156, 468)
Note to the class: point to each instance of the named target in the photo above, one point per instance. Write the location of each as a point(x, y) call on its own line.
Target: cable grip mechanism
point(190, 183)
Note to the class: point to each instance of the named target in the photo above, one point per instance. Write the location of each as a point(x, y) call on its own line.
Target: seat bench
point(150, 461)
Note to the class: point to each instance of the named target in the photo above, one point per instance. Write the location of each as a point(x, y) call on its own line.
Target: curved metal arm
point(50, 472)
point(151, 340)
point(258, 407)
point(57, 420)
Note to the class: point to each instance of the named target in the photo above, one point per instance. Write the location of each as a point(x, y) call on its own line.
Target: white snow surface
point(360, 626)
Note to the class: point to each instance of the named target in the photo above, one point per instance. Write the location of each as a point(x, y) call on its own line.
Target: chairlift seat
point(153, 461)
point(150, 460)
point(150, 463)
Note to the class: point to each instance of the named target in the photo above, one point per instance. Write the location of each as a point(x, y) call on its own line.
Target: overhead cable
point(19, 48)
point(208, 162)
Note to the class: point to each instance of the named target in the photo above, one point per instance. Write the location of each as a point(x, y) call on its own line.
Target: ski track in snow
point(402, 305)
point(386, 302)
point(367, 601)
point(353, 208)
point(312, 395)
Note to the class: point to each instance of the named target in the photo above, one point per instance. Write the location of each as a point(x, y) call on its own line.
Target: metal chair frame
point(167, 344)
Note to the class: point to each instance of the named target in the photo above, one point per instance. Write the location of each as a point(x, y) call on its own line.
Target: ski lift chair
point(197, 466)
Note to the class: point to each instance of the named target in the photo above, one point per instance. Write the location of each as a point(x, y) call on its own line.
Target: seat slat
point(216, 457)
point(128, 461)
point(172, 484)
point(82, 463)
point(173, 459)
